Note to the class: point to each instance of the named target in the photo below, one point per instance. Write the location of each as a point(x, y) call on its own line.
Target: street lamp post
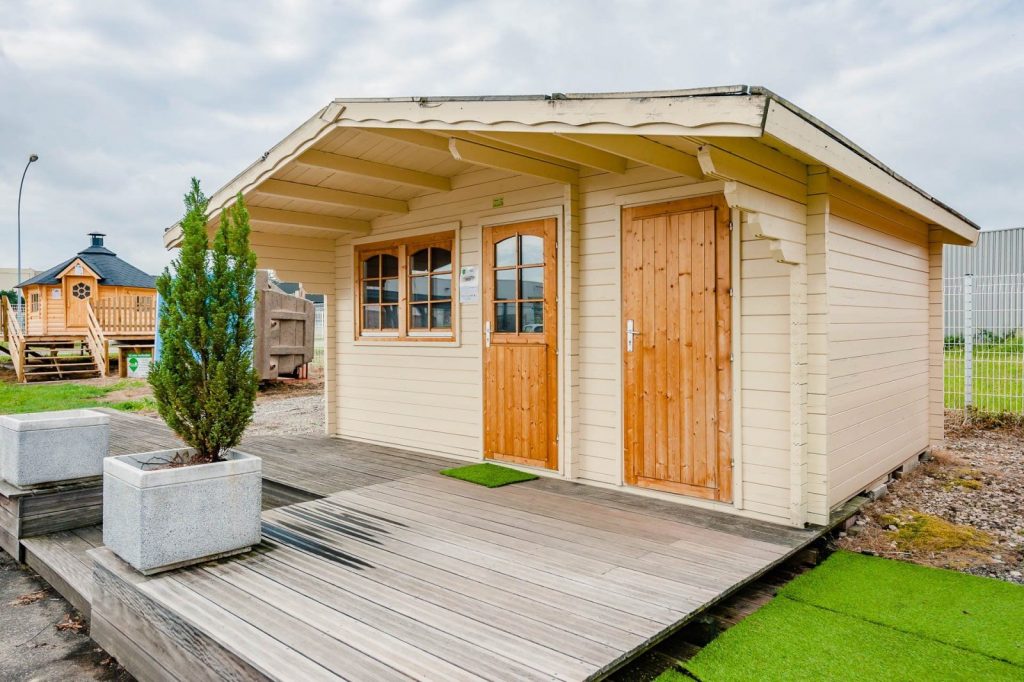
point(32, 158)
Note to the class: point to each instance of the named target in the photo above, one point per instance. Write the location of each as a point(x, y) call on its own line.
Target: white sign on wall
point(469, 284)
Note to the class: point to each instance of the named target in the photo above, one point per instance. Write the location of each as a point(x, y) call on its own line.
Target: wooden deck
point(400, 573)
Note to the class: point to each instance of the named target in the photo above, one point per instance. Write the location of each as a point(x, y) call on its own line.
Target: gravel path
point(976, 483)
point(297, 415)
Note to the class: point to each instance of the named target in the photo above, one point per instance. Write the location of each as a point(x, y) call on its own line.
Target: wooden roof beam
point(416, 137)
point(641, 150)
point(482, 155)
point(314, 221)
point(334, 197)
point(561, 148)
point(370, 169)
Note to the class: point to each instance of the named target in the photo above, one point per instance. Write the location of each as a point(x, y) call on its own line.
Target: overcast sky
point(125, 101)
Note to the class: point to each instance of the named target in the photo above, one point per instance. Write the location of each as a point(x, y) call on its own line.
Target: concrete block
point(46, 447)
point(159, 519)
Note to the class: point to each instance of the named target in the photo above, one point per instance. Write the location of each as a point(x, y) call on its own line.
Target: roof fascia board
point(298, 141)
point(78, 261)
point(735, 115)
point(802, 133)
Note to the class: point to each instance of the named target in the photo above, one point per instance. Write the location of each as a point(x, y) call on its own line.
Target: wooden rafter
point(482, 155)
point(370, 169)
point(315, 221)
point(335, 197)
point(416, 137)
point(561, 148)
point(641, 150)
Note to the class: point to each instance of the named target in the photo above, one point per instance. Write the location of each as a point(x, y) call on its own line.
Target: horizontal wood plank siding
point(426, 396)
point(878, 331)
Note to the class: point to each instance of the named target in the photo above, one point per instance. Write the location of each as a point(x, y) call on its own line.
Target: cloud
point(125, 101)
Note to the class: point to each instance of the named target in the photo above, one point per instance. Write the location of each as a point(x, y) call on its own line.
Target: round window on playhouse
point(81, 290)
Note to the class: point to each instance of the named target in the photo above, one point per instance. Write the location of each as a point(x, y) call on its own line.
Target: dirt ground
point(962, 510)
point(41, 635)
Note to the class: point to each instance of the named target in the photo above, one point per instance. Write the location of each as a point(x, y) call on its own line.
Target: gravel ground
point(297, 415)
point(963, 510)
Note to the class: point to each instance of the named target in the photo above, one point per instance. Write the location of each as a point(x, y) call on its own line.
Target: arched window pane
point(371, 267)
point(388, 266)
point(505, 252)
point(531, 250)
point(419, 262)
point(440, 260)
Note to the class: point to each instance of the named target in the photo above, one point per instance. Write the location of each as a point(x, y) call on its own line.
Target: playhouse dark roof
point(112, 271)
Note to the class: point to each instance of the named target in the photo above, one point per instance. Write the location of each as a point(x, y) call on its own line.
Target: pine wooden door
point(676, 349)
point(520, 343)
point(79, 292)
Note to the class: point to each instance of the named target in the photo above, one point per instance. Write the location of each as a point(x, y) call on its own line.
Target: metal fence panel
point(319, 335)
point(984, 342)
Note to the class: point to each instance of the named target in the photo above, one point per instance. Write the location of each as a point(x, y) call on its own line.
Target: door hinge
point(730, 226)
point(732, 357)
point(731, 292)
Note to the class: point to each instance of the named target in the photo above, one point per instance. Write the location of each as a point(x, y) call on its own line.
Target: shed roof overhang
point(358, 159)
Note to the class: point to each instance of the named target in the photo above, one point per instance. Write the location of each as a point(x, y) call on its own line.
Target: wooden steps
point(59, 361)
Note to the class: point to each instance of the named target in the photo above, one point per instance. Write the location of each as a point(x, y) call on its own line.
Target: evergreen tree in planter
point(204, 382)
point(157, 513)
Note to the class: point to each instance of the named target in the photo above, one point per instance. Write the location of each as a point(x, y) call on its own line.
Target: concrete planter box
point(159, 519)
point(46, 447)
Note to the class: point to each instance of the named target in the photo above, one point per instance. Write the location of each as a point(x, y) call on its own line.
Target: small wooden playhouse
point(76, 310)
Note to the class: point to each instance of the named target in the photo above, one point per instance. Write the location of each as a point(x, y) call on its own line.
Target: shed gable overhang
point(87, 271)
point(313, 182)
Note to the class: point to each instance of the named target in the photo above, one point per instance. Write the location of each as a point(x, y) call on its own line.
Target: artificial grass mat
point(979, 614)
point(790, 640)
point(489, 475)
point(859, 617)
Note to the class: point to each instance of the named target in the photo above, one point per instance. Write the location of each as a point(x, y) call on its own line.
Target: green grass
point(44, 397)
point(863, 618)
point(998, 384)
point(490, 475)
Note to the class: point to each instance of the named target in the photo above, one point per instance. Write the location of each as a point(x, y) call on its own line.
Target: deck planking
point(375, 567)
point(426, 577)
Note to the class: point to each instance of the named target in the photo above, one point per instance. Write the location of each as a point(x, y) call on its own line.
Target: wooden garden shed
point(705, 296)
point(75, 310)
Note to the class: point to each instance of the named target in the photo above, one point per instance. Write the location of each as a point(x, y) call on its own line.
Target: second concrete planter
point(158, 518)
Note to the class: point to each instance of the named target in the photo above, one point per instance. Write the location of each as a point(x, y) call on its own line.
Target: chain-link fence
point(984, 342)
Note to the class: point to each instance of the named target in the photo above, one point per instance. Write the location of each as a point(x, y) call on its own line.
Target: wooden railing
point(119, 315)
point(96, 342)
point(15, 338)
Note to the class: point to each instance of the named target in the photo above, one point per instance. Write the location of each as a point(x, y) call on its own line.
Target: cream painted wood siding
point(878, 330)
point(418, 395)
point(817, 345)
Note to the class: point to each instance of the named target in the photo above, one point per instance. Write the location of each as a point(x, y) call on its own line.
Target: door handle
point(630, 333)
point(487, 334)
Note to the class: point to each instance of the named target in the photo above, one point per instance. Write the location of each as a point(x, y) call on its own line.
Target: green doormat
point(490, 475)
